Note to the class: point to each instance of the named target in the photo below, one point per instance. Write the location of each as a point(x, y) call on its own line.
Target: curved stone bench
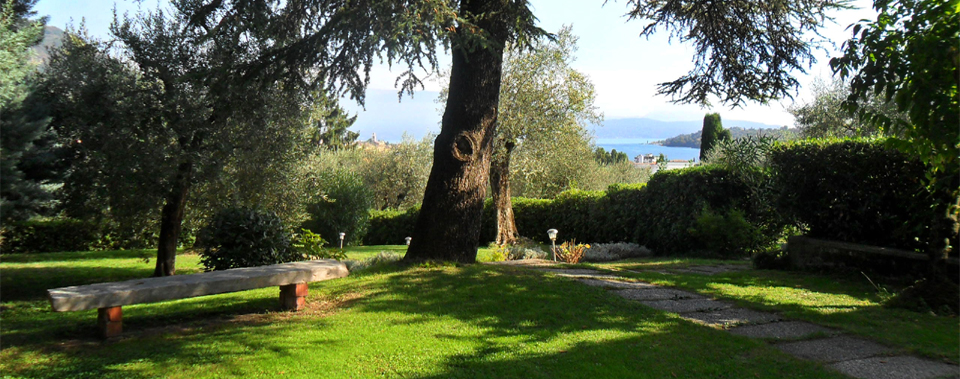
point(108, 298)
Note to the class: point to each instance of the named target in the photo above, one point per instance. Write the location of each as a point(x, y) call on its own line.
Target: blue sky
point(623, 67)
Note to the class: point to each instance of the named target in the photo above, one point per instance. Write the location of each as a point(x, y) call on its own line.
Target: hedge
point(50, 236)
point(858, 191)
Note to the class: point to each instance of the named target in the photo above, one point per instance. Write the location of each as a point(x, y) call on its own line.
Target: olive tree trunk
point(500, 185)
point(448, 227)
point(171, 221)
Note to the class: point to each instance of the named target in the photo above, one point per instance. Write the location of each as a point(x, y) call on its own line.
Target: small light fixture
point(342, 234)
point(552, 233)
point(408, 240)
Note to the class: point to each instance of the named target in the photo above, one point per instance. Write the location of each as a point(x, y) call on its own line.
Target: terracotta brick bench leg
point(110, 321)
point(293, 296)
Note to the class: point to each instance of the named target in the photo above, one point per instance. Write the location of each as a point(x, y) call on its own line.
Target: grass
point(472, 321)
point(847, 303)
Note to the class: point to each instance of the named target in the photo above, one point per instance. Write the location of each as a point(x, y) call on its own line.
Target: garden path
point(856, 357)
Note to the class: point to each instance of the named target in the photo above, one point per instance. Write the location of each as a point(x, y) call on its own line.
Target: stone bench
point(108, 298)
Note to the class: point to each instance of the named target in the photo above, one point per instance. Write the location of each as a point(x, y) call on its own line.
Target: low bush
point(570, 251)
point(726, 235)
point(311, 245)
point(607, 252)
point(382, 258)
point(244, 237)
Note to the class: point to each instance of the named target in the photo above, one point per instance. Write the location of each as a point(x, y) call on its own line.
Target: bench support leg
point(110, 321)
point(293, 296)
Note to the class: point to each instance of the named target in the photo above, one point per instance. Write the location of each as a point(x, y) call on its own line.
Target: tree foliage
point(745, 49)
point(332, 123)
point(149, 122)
point(712, 133)
point(826, 117)
point(607, 158)
point(24, 137)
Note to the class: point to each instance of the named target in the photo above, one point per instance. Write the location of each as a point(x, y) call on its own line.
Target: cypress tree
point(712, 132)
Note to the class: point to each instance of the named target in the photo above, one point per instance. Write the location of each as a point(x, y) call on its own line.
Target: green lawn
point(473, 321)
point(849, 303)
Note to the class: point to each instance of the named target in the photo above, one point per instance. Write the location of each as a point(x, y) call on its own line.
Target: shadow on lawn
point(514, 312)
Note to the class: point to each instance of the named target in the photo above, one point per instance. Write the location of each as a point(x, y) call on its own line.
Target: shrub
point(380, 259)
point(570, 251)
point(773, 259)
point(727, 235)
point(856, 191)
point(673, 200)
point(343, 208)
point(243, 237)
point(525, 248)
point(390, 227)
point(311, 244)
point(50, 236)
point(606, 252)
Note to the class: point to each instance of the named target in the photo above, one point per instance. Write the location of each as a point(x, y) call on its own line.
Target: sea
point(641, 146)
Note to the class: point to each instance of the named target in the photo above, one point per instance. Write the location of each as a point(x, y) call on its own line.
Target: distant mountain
point(52, 39)
point(693, 139)
point(649, 128)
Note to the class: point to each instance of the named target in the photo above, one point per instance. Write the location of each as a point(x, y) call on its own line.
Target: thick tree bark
point(448, 227)
point(171, 221)
point(500, 185)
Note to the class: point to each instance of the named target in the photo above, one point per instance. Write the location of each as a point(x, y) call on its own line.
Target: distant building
point(373, 144)
point(643, 159)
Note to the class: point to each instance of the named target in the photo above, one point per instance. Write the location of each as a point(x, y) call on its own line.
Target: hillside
point(693, 139)
point(649, 128)
point(52, 39)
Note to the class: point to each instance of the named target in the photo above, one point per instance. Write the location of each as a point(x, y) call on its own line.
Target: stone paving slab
point(683, 306)
point(658, 293)
point(781, 330)
point(899, 367)
point(615, 284)
point(833, 349)
point(731, 316)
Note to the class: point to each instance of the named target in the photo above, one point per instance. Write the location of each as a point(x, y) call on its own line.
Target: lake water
point(636, 146)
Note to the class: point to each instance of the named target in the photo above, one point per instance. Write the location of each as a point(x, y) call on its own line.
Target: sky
point(624, 67)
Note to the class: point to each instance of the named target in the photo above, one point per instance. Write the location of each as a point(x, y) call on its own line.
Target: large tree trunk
point(448, 227)
point(500, 185)
point(171, 221)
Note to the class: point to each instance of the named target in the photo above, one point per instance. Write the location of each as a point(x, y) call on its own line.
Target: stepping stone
point(615, 283)
point(657, 293)
point(731, 316)
point(833, 349)
point(682, 306)
point(780, 330)
point(896, 368)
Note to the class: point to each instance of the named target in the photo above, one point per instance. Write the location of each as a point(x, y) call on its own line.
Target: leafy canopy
point(745, 49)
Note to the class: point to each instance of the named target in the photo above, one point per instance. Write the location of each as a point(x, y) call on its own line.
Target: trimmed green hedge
point(859, 191)
point(661, 214)
point(50, 236)
point(390, 227)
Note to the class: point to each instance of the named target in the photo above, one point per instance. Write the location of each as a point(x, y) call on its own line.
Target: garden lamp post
point(342, 234)
point(408, 240)
point(552, 233)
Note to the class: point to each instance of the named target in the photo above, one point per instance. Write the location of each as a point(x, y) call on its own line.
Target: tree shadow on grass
point(508, 323)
